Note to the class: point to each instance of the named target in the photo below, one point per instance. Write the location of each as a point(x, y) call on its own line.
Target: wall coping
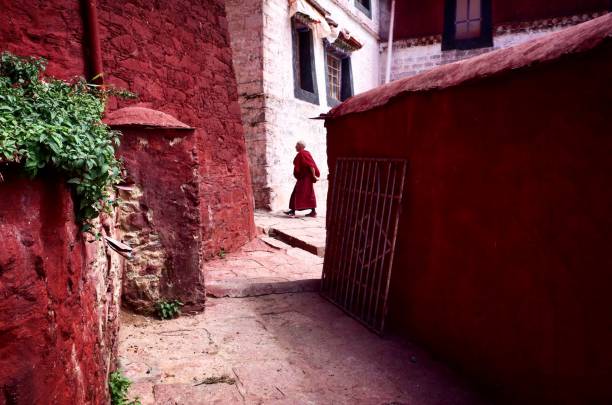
point(142, 117)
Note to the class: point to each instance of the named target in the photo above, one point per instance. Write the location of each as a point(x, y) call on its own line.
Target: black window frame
point(299, 92)
point(346, 83)
point(486, 28)
point(365, 10)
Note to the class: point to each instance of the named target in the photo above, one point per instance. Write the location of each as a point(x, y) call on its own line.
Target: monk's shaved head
point(302, 143)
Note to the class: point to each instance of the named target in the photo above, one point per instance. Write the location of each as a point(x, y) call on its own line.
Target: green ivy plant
point(168, 309)
point(50, 123)
point(118, 386)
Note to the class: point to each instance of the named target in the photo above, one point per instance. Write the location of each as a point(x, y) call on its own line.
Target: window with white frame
point(334, 76)
point(338, 74)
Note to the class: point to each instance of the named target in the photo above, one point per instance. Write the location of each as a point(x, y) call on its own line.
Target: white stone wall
point(417, 55)
point(274, 120)
point(288, 118)
point(245, 24)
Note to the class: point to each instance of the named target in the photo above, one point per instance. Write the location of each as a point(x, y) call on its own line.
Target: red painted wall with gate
point(503, 261)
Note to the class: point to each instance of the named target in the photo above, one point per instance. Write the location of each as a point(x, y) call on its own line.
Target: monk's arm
point(312, 170)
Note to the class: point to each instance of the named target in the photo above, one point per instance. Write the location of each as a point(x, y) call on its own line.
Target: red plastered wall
point(176, 56)
point(503, 262)
point(49, 29)
point(50, 350)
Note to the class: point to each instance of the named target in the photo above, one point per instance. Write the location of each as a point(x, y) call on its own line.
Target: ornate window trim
point(299, 28)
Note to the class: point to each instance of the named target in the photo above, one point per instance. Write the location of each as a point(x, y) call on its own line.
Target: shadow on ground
point(279, 349)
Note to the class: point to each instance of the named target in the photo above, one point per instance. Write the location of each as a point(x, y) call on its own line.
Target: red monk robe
point(303, 196)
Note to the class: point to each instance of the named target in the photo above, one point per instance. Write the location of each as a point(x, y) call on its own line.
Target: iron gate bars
point(363, 217)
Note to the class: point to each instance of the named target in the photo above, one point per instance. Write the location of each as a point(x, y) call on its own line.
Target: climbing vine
point(50, 123)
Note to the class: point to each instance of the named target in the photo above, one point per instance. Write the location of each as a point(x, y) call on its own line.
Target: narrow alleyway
point(272, 339)
point(287, 257)
point(285, 348)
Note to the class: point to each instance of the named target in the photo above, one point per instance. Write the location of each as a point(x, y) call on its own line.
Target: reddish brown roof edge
point(576, 39)
point(143, 117)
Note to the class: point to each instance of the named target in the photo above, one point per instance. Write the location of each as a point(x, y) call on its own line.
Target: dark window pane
point(364, 3)
point(365, 6)
point(473, 29)
point(347, 79)
point(474, 9)
point(461, 30)
point(467, 19)
point(462, 8)
point(304, 63)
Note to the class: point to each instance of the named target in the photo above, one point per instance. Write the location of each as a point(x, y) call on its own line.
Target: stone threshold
point(300, 232)
point(265, 266)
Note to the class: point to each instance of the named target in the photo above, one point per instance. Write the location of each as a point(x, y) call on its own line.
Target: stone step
point(263, 266)
point(300, 232)
point(275, 243)
point(298, 241)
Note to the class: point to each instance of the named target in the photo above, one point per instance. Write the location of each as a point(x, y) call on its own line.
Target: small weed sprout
point(118, 385)
point(222, 253)
point(168, 309)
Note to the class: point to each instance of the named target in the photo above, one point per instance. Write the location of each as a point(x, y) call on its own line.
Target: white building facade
point(295, 59)
point(468, 28)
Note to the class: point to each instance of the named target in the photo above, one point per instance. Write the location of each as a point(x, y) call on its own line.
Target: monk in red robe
point(307, 173)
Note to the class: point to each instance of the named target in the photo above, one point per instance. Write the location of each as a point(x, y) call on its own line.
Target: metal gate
point(362, 226)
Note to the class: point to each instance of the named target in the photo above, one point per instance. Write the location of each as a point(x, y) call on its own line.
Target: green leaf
point(48, 122)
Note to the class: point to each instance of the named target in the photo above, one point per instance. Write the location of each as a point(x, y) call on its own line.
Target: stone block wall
point(160, 219)
point(245, 23)
point(176, 56)
point(59, 296)
point(273, 118)
point(417, 55)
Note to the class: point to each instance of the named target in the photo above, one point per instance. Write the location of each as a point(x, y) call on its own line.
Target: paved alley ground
point(277, 349)
point(263, 266)
point(267, 337)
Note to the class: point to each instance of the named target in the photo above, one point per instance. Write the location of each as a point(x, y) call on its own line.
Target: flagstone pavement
point(292, 348)
point(266, 337)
